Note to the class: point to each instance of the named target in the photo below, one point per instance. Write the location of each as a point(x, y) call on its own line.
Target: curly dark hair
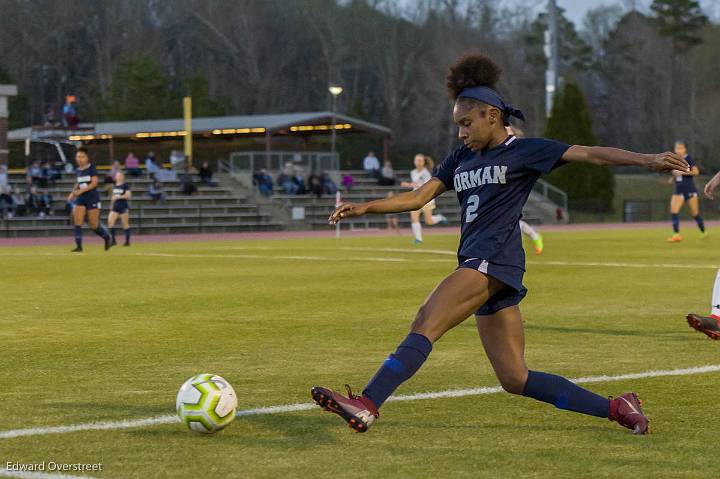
point(471, 70)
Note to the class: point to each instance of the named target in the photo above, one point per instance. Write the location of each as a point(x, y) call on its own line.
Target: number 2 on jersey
point(473, 202)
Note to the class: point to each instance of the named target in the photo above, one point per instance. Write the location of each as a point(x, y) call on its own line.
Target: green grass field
point(112, 336)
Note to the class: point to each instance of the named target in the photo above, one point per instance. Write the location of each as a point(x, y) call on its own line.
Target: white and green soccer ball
point(206, 403)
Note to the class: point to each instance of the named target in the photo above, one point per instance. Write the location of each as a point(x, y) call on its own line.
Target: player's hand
point(711, 186)
point(347, 210)
point(669, 161)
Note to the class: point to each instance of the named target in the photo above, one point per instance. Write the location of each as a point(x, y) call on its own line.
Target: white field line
point(38, 475)
point(443, 252)
point(450, 393)
point(283, 257)
point(599, 264)
point(623, 265)
point(545, 263)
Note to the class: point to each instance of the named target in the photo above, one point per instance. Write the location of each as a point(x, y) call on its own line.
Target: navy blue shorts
point(120, 209)
point(89, 202)
point(686, 194)
point(511, 295)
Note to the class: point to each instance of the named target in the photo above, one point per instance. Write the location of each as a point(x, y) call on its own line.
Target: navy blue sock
point(112, 233)
point(398, 368)
point(78, 236)
point(564, 394)
point(676, 223)
point(127, 235)
point(700, 223)
point(102, 232)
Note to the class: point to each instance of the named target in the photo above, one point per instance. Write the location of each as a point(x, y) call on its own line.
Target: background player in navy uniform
point(120, 207)
point(86, 199)
point(492, 174)
point(684, 191)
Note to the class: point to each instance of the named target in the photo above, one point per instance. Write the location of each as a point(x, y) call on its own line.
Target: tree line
point(647, 78)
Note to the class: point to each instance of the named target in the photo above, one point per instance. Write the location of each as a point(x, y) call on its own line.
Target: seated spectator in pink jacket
point(132, 165)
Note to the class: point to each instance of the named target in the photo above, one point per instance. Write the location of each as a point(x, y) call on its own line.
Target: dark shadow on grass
point(304, 431)
point(678, 335)
point(502, 428)
point(608, 332)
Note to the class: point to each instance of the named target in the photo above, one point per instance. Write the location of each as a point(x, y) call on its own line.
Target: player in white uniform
point(419, 176)
point(526, 229)
point(710, 325)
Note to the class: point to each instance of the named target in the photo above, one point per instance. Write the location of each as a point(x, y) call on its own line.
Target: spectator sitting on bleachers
point(35, 175)
point(298, 172)
point(150, 165)
point(315, 185)
point(52, 173)
point(301, 188)
point(286, 180)
point(18, 205)
point(132, 165)
point(348, 181)
point(32, 201)
point(6, 201)
point(187, 187)
point(156, 191)
point(206, 174)
point(329, 186)
point(46, 201)
point(387, 175)
point(371, 164)
point(264, 182)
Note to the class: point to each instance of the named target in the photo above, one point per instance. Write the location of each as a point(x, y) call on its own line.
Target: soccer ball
point(206, 403)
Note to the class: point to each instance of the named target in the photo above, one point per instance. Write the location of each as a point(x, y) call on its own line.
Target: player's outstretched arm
point(712, 185)
point(409, 201)
point(601, 155)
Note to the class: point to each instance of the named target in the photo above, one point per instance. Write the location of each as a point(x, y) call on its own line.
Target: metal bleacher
point(539, 208)
point(210, 210)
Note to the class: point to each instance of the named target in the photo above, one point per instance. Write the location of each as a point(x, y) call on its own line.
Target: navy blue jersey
point(120, 190)
point(84, 177)
point(685, 184)
point(492, 186)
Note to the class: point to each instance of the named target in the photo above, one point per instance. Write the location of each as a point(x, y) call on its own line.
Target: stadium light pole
point(551, 53)
point(334, 90)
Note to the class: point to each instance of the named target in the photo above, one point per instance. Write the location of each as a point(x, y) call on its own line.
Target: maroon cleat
point(627, 411)
point(708, 325)
point(358, 411)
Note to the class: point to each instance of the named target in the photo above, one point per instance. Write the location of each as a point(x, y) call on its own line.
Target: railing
point(551, 193)
point(244, 162)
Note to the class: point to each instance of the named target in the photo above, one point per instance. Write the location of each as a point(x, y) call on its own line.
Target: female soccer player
point(419, 176)
point(710, 325)
point(492, 175)
point(119, 207)
point(684, 191)
point(86, 199)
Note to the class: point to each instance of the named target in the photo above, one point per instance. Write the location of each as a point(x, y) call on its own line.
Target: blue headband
point(491, 97)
